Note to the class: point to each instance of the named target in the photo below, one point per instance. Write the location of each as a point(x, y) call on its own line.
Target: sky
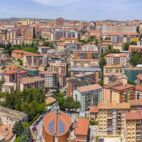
point(87, 10)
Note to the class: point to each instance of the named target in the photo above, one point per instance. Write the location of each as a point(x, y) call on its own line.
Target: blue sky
point(72, 9)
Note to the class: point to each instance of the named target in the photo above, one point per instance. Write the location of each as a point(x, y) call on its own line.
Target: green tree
point(20, 62)
point(69, 103)
point(30, 101)
point(102, 62)
point(60, 98)
point(18, 129)
point(18, 139)
point(26, 136)
point(76, 105)
point(136, 58)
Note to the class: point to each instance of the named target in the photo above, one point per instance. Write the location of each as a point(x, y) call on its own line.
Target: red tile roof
point(121, 88)
point(82, 127)
point(89, 88)
point(116, 55)
point(134, 115)
point(94, 109)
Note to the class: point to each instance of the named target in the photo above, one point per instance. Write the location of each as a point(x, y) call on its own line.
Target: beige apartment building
point(32, 82)
point(117, 59)
point(111, 118)
point(133, 126)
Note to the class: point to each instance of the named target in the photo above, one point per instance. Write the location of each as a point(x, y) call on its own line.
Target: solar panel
point(61, 127)
point(51, 127)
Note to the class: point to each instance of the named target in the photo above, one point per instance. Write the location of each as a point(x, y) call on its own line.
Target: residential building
point(111, 118)
point(51, 79)
point(34, 60)
point(88, 95)
point(8, 87)
point(12, 75)
point(138, 88)
point(43, 49)
point(79, 80)
point(111, 77)
point(58, 34)
point(135, 48)
point(117, 59)
point(113, 69)
point(19, 54)
point(59, 67)
point(133, 126)
point(118, 93)
point(32, 82)
point(82, 130)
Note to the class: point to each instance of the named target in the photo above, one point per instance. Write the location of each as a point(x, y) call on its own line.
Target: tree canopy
point(30, 101)
point(66, 103)
point(136, 58)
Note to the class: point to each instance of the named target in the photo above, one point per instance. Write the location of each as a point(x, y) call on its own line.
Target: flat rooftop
point(12, 113)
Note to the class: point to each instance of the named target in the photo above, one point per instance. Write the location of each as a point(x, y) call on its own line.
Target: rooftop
point(116, 55)
point(89, 88)
point(114, 106)
point(28, 80)
point(82, 127)
point(12, 113)
point(134, 115)
point(123, 87)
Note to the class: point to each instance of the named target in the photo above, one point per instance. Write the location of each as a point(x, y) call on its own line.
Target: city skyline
point(72, 9)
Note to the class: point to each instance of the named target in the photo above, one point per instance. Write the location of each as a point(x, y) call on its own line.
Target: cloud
point(54, 2)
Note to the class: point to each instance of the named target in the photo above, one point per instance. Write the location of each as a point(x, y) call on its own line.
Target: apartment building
point(119, 29)
point(113, 69)
point(79, 80)
point(90, 47)
point(111, 118)
point(58, 66)
point(32, 82)
point(118, 93)
point(19, 54)
point(111, 77)
point(82, 130)
point(10, 117)
point(139, 87)
point(43, 49)
point(117, 59)
point(88, 95)
point(85, 61)
point(28, 33)
point(51, 79)
point(34, 60)
point(135, 48)
point(133, 126)
point(58, 34)
point(13, 75)
point(86, 54)
point(9, 87)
